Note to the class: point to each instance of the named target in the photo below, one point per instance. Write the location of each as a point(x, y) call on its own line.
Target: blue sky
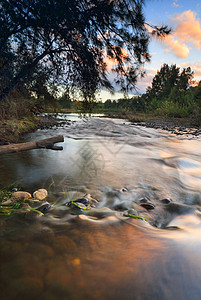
point(182, 47)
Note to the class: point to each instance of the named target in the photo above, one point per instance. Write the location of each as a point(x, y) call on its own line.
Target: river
point(101, 253)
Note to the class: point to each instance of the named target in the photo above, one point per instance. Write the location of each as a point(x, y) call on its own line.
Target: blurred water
point(102, 254)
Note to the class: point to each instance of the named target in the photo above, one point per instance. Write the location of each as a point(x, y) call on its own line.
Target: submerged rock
point(131, 211)
point(124, 190)
point(44, 208)
point(166, 201)
point(148, 206)
point(84, 203)
point(78, 205)
point(144, 200)
point(83, 200)
point(40, 194)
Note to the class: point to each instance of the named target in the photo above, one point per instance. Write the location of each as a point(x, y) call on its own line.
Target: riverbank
point(178, 126)
point(12, 130)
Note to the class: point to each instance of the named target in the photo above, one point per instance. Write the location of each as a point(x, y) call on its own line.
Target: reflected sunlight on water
point(100, 253)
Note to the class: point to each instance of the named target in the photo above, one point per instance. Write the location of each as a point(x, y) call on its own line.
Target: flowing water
point(100, 253)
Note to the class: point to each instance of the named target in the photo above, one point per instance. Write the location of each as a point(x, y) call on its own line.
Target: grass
point(11, 130)
point(5, 194)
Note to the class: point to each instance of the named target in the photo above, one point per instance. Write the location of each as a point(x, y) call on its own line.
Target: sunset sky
point(182, 47)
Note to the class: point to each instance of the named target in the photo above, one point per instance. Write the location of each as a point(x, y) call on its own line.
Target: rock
point(90, 199)
point(20, 196)
point(44, 207)
point(124, 190)
point(87, 200)
point(148, 206)
point(14, 190)
point(171, 227)
point(77, 205)
point(40, 194)
point(83, 200)
point(144, 200)
point(166, 201)
point(131, 211)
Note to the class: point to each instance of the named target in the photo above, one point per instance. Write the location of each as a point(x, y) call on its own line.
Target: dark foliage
point(68, 40)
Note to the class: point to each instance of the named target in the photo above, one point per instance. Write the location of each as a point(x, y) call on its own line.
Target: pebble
point(83, 200)
point(40, 194)
point(132, 211)
point(124, 190)
point(166, 201)
point(44, 208)
point(144, 200)
point(148, 206)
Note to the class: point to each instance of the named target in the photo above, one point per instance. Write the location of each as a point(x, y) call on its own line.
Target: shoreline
point(173, 126)
point(178, 126)
point(11, 131)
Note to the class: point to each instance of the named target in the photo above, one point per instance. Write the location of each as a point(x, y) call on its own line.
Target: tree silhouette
point(70, 40)
point(170, 83)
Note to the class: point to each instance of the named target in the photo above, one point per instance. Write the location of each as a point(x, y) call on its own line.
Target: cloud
point(181, 50)
point(186, 35)
point(112, 62)
point(188, 28)
point(174, 4)
point(143, 83)
point(196, 67)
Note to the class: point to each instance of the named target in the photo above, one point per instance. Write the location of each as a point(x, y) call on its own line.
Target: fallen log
point(45, 143)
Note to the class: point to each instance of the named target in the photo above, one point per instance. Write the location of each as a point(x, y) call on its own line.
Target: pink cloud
point(112, 62)
point(188, 28)
point(181, 50)
point(174, 4)
point(196, 67)
point(186, 34)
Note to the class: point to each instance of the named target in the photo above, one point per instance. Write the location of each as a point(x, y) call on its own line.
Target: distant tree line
point(119, 105)
point(173, 93)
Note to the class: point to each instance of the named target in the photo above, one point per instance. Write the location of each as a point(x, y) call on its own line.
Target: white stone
point(40, 194)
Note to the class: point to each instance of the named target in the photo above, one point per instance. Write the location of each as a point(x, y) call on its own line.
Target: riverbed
point(103, 253)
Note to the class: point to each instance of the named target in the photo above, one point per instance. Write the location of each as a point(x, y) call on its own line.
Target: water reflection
point(93, 261)
point(102, 254)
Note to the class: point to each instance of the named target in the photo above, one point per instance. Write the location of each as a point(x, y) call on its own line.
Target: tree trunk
point(45, 143)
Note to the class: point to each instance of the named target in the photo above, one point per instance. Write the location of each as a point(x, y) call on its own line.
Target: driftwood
point(46, 143)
